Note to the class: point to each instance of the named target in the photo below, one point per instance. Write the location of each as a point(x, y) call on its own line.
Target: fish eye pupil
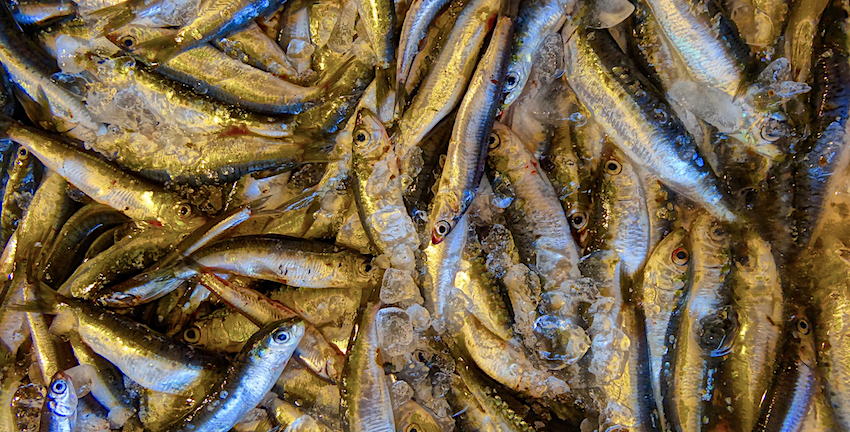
point(281, 337)
point(681, 255)
point(361, 137)
point(128, 42)
point(58, 387)
point(442, 228)
point(492, 140)
point(511, 80)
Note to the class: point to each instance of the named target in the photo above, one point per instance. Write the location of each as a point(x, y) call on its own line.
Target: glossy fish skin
point(713, 52)
point(251, 375)
point(314, 351)
point(644, 127)
point(118, 260)
point(365, 404)
point(31, 70)
point(370, 143)
point(822, 162)
point(622, 215)
point(24, 176)
point(467, 152)
point(547, 231)
point(703, 329)
point(110, 392)
point(759, 302)
point(59, 412)
point(663, 282)
point(444, 86)
point(794, 384)
point(49, 209)
point(36, 12)
point(261, 51)
point(478, 409)
point(154, 361)
point(76, 236)
point(138, 199)
point(380, 22)
point(296, 263)
point(418, 19)
point(536, 20)
point(214, 20)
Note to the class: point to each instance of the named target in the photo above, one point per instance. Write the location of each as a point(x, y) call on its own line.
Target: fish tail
point(114, 17)
point(46, 300)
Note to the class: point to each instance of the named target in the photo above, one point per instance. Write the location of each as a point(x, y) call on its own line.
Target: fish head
point(132, 39)
point(61, 396)
point(369, 137)
point(277, 340)
point(413, 417)
point(181, 216)
point(445, 215)
point(515, 79)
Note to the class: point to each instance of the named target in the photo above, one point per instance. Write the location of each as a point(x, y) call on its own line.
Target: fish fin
point(113, 17)
point(37, 110)
point(299, 202)
point(46, 300)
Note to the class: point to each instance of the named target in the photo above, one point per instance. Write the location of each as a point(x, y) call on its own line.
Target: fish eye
point(22, 152)
point(803, 326)
point(511, 80)
point(59, 387)
point(282, 336)
point(613, 167)
point(184, 210)
point(442, 228)
point(494, 141)
point(680, 256)
point(578, 221)
point(365, 268)
point(192, 335)
point(361, 137)
point(774, 128)
point(412, 428)
point(128, 41)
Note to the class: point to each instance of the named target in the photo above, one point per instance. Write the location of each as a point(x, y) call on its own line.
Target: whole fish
point(107, 184)
point(633, 111)
point(467, 152)
point(252, 374)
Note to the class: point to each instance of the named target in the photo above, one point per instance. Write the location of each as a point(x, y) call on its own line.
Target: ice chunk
point(397, 286)
point(68, 52)
point(713, 106)
point(420, 318)
point(560, 343)
point(401, 392)
point(395, 333)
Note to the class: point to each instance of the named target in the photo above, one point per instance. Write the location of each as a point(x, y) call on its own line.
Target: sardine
point(471, 136)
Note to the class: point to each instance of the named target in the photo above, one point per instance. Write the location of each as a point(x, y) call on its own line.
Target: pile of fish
point(424, 215)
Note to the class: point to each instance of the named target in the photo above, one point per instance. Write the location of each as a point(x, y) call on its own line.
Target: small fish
point(252, 374)
point(419, 17)
point(59, 412)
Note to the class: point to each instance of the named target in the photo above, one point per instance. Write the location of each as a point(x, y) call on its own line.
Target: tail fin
point(116, 16)
point(45, 300)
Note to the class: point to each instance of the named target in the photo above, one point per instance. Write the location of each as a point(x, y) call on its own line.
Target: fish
point(634, 110)
point(380, 22)
point(365, 403)
point(59, 412)
point(252, 374)
point(417, 20)
point(467, 151)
